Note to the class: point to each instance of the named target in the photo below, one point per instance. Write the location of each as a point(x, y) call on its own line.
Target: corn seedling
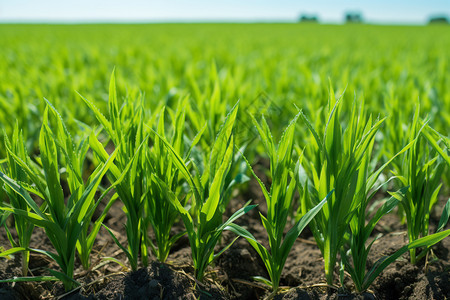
point(334, 162)
point(279, 201)
point(362, 224)
point(422, 170)
point(24, 227)
point(161, 214)
point(74, 155)
point(125, 128)
point(63, 222)
point(385, 261)
point(203, 220)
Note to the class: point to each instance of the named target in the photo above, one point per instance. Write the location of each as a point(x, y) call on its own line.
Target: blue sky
point(376, 11)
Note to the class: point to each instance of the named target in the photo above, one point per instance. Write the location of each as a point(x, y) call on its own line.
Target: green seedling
point(24, 227)
point(204, 218)
point(63, 221)
point(279, 201)
point(422, 170)
point(125, 128)
point(334, 161)
point(161, 214)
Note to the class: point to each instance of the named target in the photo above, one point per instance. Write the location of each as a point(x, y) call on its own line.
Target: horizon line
point(206, 21)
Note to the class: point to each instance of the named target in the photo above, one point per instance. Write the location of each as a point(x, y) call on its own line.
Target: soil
point(231, 277)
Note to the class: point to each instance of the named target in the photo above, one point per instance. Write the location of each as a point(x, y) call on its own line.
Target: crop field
point(224, 161)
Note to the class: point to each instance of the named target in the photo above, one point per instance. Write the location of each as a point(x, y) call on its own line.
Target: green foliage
point(63, 222)
point(125, 128)
point(266, 66)
point(279, 200)
point(335, 160)
point(385, 261)
point(74, 155)
point(421, 171)
point(175, 148)
point(362, 224)
point(161, 213)
point(24, 227)
point(203, 220)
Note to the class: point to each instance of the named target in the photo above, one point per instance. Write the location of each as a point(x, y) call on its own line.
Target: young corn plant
point(62, 221)
point(161, 214)
point(74, 155)
point(125, 128)
point(204, 218)
point(279, 201)
point(366, 279)
point(422, 170)
point(397, 133)
point(360, 230)
point(334, 161)
point(362, 224)
point(24, 227)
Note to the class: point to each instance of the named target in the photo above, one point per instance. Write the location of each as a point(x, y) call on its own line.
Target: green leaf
point(263, 280)
point(373, 178)
point(81, 207)
point(383, 262)
point(295, 231)
point(387, 207)
point(263, 252)
point(179, 162)
point(225, 248)
point(435, 145)
point(118, 243)
point(261, 184)
point(22, 192)
point(12, 251)
point(30, 279)
point(51, 255)
point(312, 130)
point(100, 117)
point(113, 259)
point(444, 216)
point(222, 141)
point(211, 205)
point(68, 282)
point(237, 214)
point(187, 219)
point(49, 160)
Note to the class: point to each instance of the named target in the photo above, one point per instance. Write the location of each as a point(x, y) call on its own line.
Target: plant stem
point(412, 253)
point(25, 261)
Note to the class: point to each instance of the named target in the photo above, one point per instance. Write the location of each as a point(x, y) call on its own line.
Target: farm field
point(224, 161)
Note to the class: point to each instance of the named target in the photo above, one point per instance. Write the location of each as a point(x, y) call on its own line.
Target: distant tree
point(438, 20)
point(352, 17)
point(309, 18)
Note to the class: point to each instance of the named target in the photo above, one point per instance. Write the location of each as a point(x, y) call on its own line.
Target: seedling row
point(162, 172)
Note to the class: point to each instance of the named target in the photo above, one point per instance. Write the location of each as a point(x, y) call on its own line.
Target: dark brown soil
point(231, 276)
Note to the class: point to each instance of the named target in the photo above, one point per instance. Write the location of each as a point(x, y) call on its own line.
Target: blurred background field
point(270, 68)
